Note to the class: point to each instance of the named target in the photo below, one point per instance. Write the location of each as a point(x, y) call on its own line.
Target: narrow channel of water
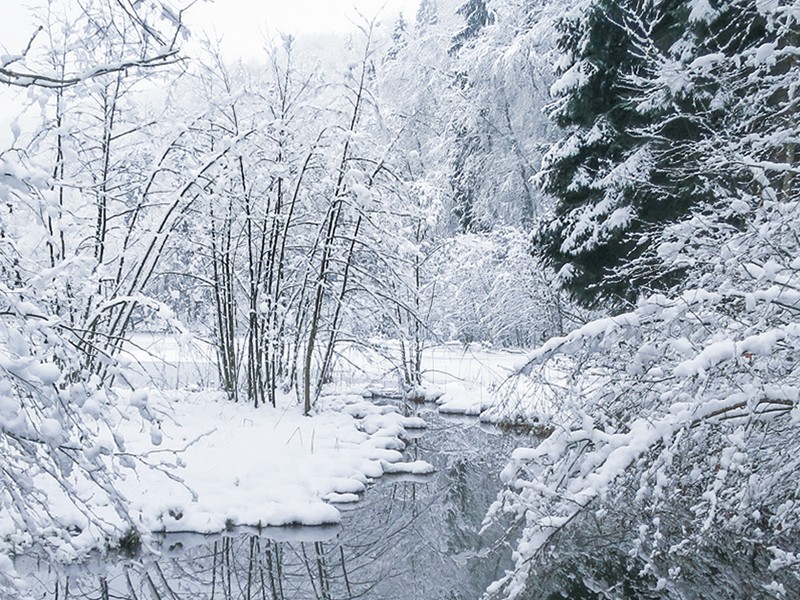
point(408, 538)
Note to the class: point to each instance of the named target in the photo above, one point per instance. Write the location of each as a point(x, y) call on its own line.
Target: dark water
point(408, 538)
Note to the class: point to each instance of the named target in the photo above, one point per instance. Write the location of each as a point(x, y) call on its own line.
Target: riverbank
point(269, 466)
point(201, 463)
point(407, 532)
point(472, 379)
point(208, 465)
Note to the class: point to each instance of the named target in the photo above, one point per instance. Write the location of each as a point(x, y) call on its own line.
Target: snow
point(574, 77)
point(701, 11)
point(172, 360)
point(209, 464)
point(8, 571)
point(417, 467)
point(706, 62)
point(266, 466)
point(48, 373)
point(471, 402)
point(720, 351)
point(767, 6)
point(51, 431)
point(765, 54)
point(337, 498)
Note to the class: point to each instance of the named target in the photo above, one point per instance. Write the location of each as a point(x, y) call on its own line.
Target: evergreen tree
point(598, 172)
point(427, 14)
point(470, 150)
point(657, 133)
point(476, 16)
point(399, 38)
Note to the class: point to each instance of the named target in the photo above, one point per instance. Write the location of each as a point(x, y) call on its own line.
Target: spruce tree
point(669, 105)
point(610, 191)
point(476, 16)
point(399, 38)
point(427, 14)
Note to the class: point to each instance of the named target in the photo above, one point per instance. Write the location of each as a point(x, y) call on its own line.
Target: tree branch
point(24, 79)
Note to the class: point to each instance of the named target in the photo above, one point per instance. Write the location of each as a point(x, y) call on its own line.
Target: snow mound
point(417, 467)
point(216, 464)
point(335, 498)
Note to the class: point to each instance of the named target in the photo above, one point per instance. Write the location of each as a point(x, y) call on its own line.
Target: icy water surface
point(408, 538)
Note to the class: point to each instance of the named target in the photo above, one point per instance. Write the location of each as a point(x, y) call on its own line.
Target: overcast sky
point(241, 24)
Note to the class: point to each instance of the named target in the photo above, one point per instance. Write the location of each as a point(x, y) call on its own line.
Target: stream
point(410, 537)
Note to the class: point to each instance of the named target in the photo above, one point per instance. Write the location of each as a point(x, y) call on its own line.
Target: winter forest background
point(609, 185)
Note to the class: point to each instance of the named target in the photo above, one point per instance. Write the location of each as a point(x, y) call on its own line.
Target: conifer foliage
point(651, 93)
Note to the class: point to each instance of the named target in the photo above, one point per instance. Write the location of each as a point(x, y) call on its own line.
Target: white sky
point(243, 24)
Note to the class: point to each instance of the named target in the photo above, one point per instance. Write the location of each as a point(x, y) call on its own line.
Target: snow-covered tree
point(502, 75)
point(677, 422)
point(490, 288)
point(652, 94)
point(470, 134)
point(427, 14)
point(675, 425)
point(74, 258)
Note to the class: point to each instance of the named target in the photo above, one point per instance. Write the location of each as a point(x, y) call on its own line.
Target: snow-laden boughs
point(78, 246)
point(497, 132)
point(675, 434)
point(59, 422)
point(152, 28)
point(677, 431)
point(670, 104)
point(491, 288)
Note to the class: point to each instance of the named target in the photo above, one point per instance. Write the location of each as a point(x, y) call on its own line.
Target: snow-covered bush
point(679, 429)
point(58, 440)
point(73, 251)
point(676, 435)
point(490, 288)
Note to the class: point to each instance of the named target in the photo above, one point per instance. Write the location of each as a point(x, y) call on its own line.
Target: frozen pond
point(409, 537)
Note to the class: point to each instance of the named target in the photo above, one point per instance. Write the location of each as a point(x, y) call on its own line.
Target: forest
point(579, 219)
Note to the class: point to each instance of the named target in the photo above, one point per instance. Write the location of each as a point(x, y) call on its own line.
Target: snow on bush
point(491, 288)
point(58, 438)
point(682, 414)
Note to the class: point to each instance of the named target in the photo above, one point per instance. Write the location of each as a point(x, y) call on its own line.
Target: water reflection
point(415, 537)
point(409, 538)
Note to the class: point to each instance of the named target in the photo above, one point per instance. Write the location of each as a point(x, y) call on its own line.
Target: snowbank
point(211, 465)
point(479, 382)
point(263, 467)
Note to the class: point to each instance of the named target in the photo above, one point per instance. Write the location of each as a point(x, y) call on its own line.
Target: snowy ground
point(210, 464)
point(475, 381)
point(469, 380)
point(213, 464)
point(270, 466)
